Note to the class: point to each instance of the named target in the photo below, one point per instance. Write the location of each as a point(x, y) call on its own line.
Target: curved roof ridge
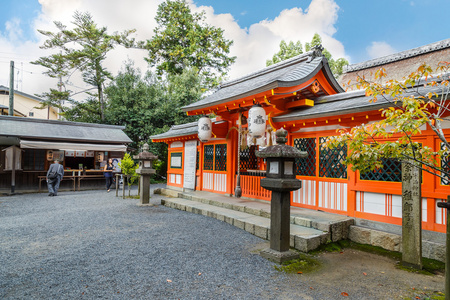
point(398, 56)
point(271, 68)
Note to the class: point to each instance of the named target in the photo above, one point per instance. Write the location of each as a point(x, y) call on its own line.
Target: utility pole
point(11, 89)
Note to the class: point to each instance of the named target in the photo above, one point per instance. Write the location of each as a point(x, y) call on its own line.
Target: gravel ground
point(91, 244)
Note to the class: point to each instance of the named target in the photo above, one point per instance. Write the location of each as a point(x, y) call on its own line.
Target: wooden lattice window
point(248, 159)
point(220, 157)
point(215, 157)
point(34, 160)
point(306, 166)
point(331, 160)
point(391, 172)
point(208, 157)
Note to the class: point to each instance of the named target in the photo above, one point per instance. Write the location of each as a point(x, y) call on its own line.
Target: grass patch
point(304, 264)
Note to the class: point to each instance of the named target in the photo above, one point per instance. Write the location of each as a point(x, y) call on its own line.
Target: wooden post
point(411, 215)
point(11, 90)
point(13, 171)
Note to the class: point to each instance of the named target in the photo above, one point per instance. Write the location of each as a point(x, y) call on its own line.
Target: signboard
point(190, 164)
point(175, 160)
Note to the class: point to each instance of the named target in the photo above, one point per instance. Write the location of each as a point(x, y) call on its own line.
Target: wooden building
point(28, 146)
point(25, 105)
point(302, 96)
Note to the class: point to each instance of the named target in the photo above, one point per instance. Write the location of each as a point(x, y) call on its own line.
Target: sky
point(356, 30)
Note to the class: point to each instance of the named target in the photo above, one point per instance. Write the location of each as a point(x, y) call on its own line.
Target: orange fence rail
point(251, 187)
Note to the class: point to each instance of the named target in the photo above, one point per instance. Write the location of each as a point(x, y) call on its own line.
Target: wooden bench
point(99, 176)
point(71, 177)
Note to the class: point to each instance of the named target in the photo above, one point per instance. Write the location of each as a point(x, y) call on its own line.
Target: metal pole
point(11, 89)
point(446, 205)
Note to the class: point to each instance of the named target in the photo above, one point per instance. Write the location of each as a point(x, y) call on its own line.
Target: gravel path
point(90, 244)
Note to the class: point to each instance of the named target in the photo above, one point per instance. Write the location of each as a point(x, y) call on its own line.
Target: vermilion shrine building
point(302, 96)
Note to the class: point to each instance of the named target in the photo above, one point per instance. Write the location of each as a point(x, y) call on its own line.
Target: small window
point(34, 160)
point(331, 161)
point(31, 114)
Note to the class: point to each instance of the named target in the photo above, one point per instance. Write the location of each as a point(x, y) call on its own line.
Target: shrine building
point(302, 96)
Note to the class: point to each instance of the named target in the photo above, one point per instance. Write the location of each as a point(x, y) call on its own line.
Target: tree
point(57, 67)
point(286, 52)
point(336, 66)
point(182, 39)
point(133, 101)
point(82, 49)
point(418, 100)
point(291, 50)
point(148, 106)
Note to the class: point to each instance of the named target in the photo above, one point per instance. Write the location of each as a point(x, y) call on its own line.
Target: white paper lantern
point(256, 121)
point(204, 129)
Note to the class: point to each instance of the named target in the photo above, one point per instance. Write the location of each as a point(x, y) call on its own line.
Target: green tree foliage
point(286, 52)
point(128, 168)
point(133, 102)
point(57, 67)
point(417, 100)
point(148, 106)
point(82, 49)
point(182, 39)
point(336, 66)
point(293, 49)
point(86, 111)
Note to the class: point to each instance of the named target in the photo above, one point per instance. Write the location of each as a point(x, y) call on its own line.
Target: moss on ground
point(304, 264)
point(307, 262)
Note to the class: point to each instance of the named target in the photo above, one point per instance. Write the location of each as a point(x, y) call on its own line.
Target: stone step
point(302, 238)
point(336, 225)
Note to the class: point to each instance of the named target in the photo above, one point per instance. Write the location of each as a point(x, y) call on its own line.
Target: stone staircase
point(309, 228)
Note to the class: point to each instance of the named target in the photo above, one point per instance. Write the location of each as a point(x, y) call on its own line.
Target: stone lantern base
point(278, 257)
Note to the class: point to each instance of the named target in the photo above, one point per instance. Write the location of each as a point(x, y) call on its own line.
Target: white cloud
point(252, 45)
point(379, 49)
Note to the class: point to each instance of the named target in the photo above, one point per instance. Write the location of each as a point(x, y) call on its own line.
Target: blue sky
point(356, 30)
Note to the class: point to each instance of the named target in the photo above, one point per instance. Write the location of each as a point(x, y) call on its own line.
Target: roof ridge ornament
point(316, 52)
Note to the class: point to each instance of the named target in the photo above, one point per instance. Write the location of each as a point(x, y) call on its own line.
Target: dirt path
point(362, 275)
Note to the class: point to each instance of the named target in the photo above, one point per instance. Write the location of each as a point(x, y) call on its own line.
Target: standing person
point(108, 175)
point(54, 176)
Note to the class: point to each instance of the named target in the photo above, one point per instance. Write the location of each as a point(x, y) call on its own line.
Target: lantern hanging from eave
point(204, 129)
point(256, 121)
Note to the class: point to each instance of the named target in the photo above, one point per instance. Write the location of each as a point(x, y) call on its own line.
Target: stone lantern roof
point(145, 155)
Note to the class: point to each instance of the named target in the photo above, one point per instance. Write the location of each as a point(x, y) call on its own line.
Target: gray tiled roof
point(398, 56)
point(61, 130)
point(287, 73)
point(345, 103)
point(178, 130)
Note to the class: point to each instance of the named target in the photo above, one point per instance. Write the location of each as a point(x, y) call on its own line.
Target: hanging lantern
point(256, 121)
point(204, 129)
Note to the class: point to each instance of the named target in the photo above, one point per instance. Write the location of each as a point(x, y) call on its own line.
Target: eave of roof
point(4, 88)
point(345, 103)
point(398, 56)
point(288, 73)
point(178, 131)
point(40, 129)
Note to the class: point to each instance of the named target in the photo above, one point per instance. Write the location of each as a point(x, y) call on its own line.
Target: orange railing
point(251, 186)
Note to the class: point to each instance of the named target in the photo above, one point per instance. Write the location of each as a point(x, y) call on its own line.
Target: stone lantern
point(145, 170)
point(280, 179)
